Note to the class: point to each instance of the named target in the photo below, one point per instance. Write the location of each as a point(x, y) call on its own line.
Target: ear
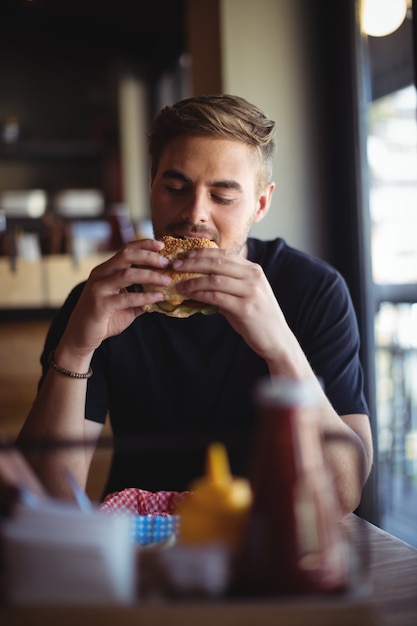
point(264, 202)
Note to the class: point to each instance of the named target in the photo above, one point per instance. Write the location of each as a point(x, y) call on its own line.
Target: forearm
point(58, 415)
point(348, 454)
point(347, 439)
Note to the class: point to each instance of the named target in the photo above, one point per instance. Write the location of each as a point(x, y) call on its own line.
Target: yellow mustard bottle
point(217, 508)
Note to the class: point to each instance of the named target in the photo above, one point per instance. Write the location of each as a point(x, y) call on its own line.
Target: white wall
point(264, 60)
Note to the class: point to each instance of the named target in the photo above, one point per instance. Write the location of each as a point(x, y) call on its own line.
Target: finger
point(124, 279)
point(144, 276)
point(144, 244)
point(135, 253)
point(213, 286)
point(134, 300)
point(106, 306)
point(139, 256)
point(118, 275)
point(220, 262)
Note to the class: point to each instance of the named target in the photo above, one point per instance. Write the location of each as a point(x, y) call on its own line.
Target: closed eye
point(176, 190)
point(221, 199)
point(179, 191)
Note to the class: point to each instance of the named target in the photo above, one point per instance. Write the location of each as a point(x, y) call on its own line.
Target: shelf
point(52, 150)
point(43, 284)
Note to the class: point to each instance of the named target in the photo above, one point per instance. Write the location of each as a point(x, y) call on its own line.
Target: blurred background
point(81, 80)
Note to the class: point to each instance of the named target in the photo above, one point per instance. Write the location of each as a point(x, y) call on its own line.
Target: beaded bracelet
point(65, 372)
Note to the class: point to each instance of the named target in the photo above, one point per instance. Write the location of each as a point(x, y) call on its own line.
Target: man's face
point(208, 187)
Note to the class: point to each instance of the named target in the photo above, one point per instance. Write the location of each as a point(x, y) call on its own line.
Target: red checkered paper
point(142, 502)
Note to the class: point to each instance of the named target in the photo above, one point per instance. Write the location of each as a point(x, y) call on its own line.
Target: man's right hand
point(105, 307)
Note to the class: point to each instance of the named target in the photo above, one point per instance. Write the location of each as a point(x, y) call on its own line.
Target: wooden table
point(392, 573)
point(388, 598)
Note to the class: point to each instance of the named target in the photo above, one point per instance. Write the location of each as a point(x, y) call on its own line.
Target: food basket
point(150, 529)
point(154, 514)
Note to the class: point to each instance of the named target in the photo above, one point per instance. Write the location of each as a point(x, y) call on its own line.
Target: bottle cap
point(283, 391)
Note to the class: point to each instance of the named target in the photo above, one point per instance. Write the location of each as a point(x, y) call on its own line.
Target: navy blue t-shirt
point(172, 385)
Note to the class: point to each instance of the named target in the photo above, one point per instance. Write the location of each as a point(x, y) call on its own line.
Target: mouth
point(192, 236)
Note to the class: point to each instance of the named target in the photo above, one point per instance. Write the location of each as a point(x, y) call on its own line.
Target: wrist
point(66, 372)
point(69, 359)
point(288, 359)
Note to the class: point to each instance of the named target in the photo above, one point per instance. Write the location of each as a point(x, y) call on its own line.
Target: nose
point(196, 208)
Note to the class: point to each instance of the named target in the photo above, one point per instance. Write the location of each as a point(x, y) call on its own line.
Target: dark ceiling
point(150, 32)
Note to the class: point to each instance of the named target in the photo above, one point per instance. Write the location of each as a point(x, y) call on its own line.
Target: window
point(392, 159)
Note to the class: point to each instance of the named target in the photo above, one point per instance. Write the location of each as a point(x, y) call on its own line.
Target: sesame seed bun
point(175, 304)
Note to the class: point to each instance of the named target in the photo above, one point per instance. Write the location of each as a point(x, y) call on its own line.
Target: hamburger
point(175, 304)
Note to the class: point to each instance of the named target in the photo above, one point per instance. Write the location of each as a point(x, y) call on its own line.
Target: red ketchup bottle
point(293, 544)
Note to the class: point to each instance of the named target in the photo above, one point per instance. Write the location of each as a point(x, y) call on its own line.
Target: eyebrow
point(218, 184)
point(177, 175)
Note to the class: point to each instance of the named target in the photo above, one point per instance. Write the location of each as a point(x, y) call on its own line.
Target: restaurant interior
point(80, 82)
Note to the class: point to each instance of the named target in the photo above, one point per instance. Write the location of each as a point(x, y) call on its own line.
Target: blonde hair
point(224, 116)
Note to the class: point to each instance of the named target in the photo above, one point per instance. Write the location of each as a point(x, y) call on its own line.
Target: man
point(171, 385)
